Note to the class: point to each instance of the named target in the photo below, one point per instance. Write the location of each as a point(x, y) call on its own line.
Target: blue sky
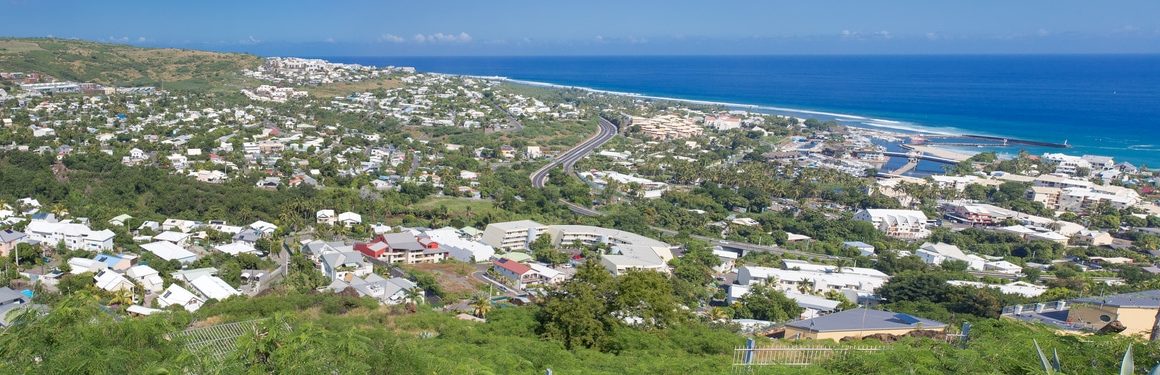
point(600, 27)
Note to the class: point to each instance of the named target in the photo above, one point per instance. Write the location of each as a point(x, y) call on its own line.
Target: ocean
point(1098, 104)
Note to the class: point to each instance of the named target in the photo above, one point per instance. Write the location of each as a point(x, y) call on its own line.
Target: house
point(629, 251)
point(169, 251)
point(1135, 312)
point(512, 235)
point(73, 236)
point(345, 266)
point(177, 238)
point(794, 280)
point(937, 254)
point(1022, 288)
point(236, 247)
point(460, 248)
point(9, 239)
point(1003, 266)
point(728, 260)
point(179, 225)
point(11, 300)
point(120, 220)
point(1092, 238)
point(864, 249)
point(148, 277)
point(859, 323)
point(349, 218)
point(81, 265)
point(213, 287)
point(517, 274)
point(405, 248)
point(175, 295)
point(119, 263)
point(902, 224)
point(264, 227)
point(327, 217)
point(391, 291)
point(110, 281)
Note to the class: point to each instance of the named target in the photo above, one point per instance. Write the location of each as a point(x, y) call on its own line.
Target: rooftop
point(864, 319)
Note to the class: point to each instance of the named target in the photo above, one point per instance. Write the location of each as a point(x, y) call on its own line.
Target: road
point(569, 158)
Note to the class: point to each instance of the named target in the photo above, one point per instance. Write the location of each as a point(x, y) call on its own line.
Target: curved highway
point(570, 157)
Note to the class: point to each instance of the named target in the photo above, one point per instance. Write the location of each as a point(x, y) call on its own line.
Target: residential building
point(148, 277)
point(177, 238)
point(9, 239)
point(1135, 312)
point(460, 248)
point(73, 236)
point(938, 253)
point(813, 280)
point(391, 291)
point(902, 224)
point(169, 251)
point(512, 235)
point(110, 281)
point(404, 247)
point(859, 323)
point(345, 266)
point(175, 295)
point(213, 288)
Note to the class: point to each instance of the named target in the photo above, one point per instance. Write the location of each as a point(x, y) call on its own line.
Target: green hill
point(122, 65)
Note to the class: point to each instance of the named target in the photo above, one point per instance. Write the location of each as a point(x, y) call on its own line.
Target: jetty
point(1008, 141)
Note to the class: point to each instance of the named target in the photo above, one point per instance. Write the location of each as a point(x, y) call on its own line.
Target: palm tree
point(482, 305)
point(718, 314)
point(413, 296)
point(806, 286)
point(123, 297)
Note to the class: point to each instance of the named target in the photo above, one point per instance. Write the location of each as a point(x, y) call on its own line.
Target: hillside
point(122, 65)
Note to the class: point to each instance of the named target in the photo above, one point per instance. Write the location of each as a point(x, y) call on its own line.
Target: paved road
point(568, 159)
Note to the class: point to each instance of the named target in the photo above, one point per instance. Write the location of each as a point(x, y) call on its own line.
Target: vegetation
point(123, 65)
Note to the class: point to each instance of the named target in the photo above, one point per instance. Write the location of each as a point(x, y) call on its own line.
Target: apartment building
point(73, 236)
point(902, 224)
point(405, 248)
point(512, 235)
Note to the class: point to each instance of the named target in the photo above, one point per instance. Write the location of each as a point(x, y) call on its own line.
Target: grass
point(345, 88)
point(459, 205)
point(123, 65)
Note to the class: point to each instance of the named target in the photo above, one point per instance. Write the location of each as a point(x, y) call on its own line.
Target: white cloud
point(442, 38)
point(1042, 32)
point(391, 38)
point(250, 40)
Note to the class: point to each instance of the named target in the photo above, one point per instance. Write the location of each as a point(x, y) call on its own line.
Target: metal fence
point(776, 355)
point(217, 341)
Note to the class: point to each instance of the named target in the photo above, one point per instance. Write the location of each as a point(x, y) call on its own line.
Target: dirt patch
point(454, 278)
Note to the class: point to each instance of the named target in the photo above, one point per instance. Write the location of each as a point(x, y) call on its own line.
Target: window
point(1105, 318)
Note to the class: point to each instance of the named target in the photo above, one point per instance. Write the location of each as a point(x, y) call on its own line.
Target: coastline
point(888, 128)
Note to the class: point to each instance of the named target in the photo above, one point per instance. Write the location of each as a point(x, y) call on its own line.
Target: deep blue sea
point(1099, 104)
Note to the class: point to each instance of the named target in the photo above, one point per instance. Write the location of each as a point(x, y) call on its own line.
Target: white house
point(176, 295)
point(169, 251)
point(936, 254)
point(327, 217)
point(903, 224)
point(213, 287)
point(349, 218)
point(177, 238)
point(73, 236)
point(236, 247)
point(110, 281)
point(345, 266)
point(148, 277)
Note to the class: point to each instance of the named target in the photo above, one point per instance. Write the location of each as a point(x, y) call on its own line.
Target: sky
point(600, 27)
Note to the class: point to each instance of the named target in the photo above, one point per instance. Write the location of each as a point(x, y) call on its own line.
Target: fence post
point(749, 347)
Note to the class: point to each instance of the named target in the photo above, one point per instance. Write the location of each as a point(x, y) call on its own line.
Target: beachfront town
point(468, 194)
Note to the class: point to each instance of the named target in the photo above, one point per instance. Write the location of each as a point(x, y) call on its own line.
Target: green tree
point(766, 303)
